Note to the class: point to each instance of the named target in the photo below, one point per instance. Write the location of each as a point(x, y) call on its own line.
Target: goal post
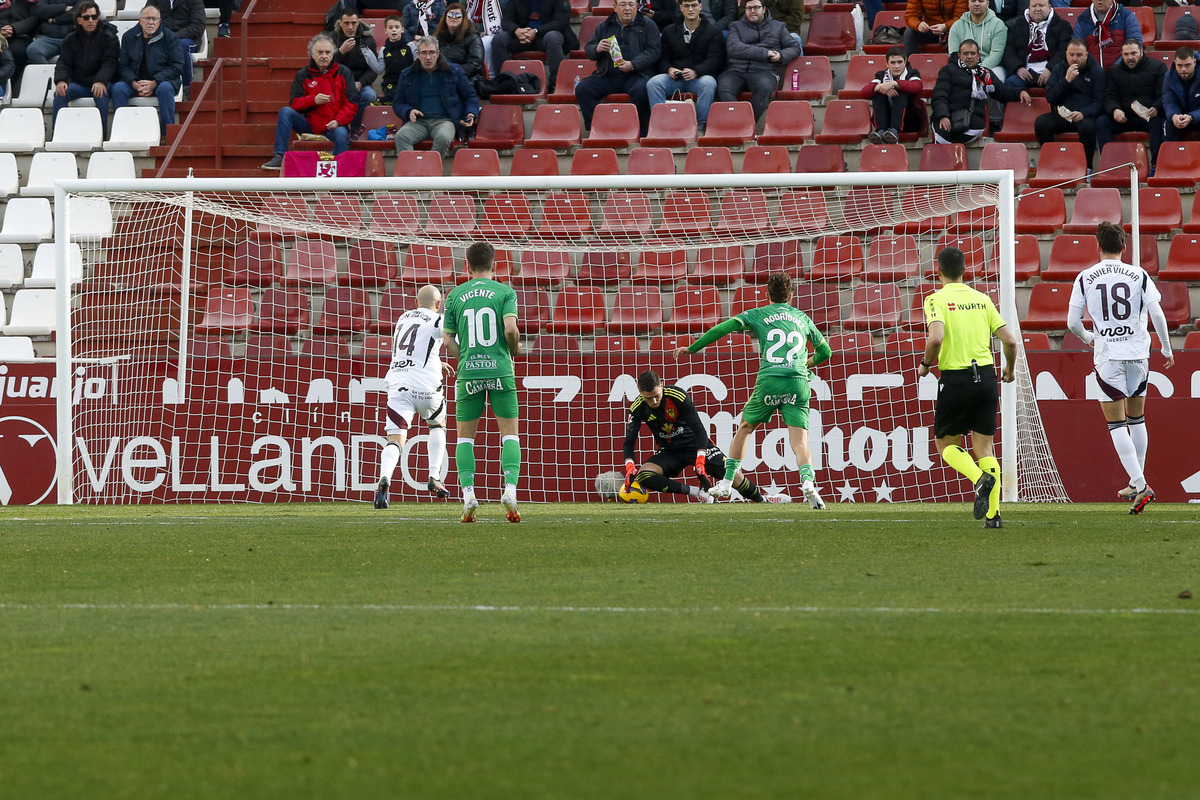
point(243, 326)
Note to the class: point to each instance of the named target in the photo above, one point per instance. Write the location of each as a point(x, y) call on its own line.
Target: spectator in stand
point(185, 19)
point(1076, 96)
point(758, 47)
point(421, 18)
point(55, 21)
point(791, 14)
point(431, 97)
point(895, 96)
point(693, 55)
point(151, 65)
point(539, 25)
point(395, 55)
point(1008, 10)
point(323, 100)
point(87, 62)
point(18, 21)
point(357, 6)
point(460, 44)
point(1036, 44)
point(661, 12)
point(622, 69)
point(225, 9)
point(981, 24)
point(961, 94)
point(929, 22)
point(1104, 26)
point(1181, 96)
point(1133, 98)
point(355, 43)
point(7, 66)
point(720, 13)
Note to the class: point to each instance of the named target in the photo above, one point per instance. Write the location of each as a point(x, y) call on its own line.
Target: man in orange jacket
point(929, 22)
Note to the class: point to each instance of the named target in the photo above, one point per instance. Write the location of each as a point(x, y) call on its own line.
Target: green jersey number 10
point(482, 330)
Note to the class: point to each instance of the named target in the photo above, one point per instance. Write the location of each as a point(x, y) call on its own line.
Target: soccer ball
point(608, 484)
point(634, 494)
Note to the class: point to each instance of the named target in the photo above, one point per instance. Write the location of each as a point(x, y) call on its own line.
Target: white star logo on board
point(883, 493)
point(847, 492)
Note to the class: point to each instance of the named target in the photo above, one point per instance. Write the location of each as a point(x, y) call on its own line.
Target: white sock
point(1123, 444)
point(693, 491)
point(511, 488)
point(388, 461)
point(1141, 439)
point(437, 451)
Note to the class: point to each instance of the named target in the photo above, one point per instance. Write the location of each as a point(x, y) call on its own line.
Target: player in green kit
point(480, 330)
point(784, 333)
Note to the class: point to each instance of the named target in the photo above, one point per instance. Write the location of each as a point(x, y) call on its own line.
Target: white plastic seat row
point(15, 348)
point(43, 275)
point(30, 220)
point(32, 313)
point(78, 129)
point(36, 85)
point(12, 266)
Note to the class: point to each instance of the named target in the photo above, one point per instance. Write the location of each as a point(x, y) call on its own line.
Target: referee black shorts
point(675, 460)
point(964, 404)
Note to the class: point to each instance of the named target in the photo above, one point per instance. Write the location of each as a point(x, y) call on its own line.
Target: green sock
point(731, 466)
point(807, 474)
point(961, 461)
point(990, 465)
point(510, 459)
point(464, 462)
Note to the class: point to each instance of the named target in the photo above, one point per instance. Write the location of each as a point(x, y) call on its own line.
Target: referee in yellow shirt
point(961, 322)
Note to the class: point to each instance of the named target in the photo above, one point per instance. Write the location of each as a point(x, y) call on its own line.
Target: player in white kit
point(415, 388)
point(1119, 298)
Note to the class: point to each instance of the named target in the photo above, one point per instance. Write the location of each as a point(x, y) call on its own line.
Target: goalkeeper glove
point(705, 480)
point(630, 471)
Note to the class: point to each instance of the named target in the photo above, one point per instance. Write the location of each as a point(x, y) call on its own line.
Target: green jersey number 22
point(777, 340)
point(482, 330)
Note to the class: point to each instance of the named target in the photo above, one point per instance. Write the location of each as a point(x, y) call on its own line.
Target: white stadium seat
point(89, 218)
point(132, 10)
point(32, 313)
point(15, 348)
point(27, 220)
point(124, 25)
point(45, 169)
point(12, 266)
point(201, 48)
point(10, 176)
point(37, 81)
point(134, 128)
point(77, 129)
point(117, 164)
point(43, 273)
point(22, 130)
point(108, 9)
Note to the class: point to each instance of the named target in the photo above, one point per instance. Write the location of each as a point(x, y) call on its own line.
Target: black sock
point(748, 490)
point(661, 483)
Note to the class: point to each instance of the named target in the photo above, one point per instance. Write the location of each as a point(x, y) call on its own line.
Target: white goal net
point(243, 329)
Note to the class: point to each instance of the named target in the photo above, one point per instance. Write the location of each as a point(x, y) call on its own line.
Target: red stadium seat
point(565, 216)
point(846, 122)
point(268, 347)
point(325, 347)
point(818, 158)
point(708, 161)
point(544, 268)
point(427, 263)
point(595, 161)
point(604, 267)
point(418, 164)
point(929, 65)
point(283, 207)
point(1148, 259)
point(742, 212)
point(311, 261)
point(227, 309)
point(869, 208)
point(788, 123)
point(943, 157)
point(614, 125)
point(1041, 212)
point(861, 342)
point(1069, 14)
point(626, 215)
point(346, 310)
point(748, 296)
point(1018, 120)
point(807, 77)
point(972, 249)
point(506, 217)
point(1070, 255)
point(475, 163)
point(1193, 223)
point(524, 66)
point(915, 208)
point(570, 72)
point(210, 347)
point(650, 161)
point(1168, 39)
point(1112, 172)
point(556, 127)
point(802, 211)
point(719, 266)
point(883, 158)
point(1035, 341)
point(977, 219)
point(338, 211)
point(500, 127)
point(396, 214)
point(1178, 165)
point(1183, 259)
point(695, 310)
point(892, 258)
point(859, 72)
point(376, 347)
point(549, 343)
point(914, 317)
point(760, 159)
point(256, 263)
point(579, 310)
point(830, 33)
point(893, 18)
point(771, 257)
point(1048, 307)
point(1060, 164)
point(905, 341)
point(1093, 206)
point(1176, 304)
point(1027, 256)
point(451, 216)
point(729, 125)
point(837, 258)
point(875, 307)
point(1014, 156)
point(1160, 210)
point(617, 344)
point(662, 267)
point(282, 311)
point(638, 310)
point(534, 162)
point(671, 125)
point(821, 301)
point(394, 302)
point(377, 117)
point(1148, 24)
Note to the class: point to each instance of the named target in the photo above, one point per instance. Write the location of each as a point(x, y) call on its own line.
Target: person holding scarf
point(961, 95)
point(1104, 26)
point(421, 18)
point(1037, 43)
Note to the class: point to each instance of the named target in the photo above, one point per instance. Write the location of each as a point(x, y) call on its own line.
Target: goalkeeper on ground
point(682, 440)
point(784, 333)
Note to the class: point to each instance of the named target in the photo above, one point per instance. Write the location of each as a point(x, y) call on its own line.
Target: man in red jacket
point(324, 100)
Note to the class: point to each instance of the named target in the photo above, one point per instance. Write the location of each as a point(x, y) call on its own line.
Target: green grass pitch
point(660, 651)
